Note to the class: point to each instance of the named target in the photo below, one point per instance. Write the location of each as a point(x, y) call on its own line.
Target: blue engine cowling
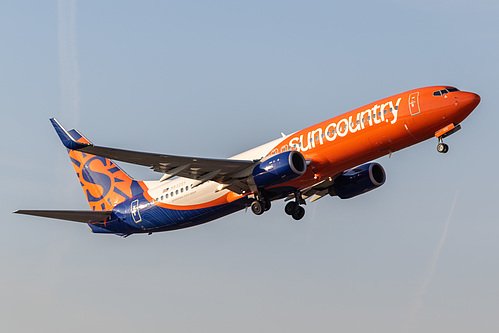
point(279, 169)
point(357, 181)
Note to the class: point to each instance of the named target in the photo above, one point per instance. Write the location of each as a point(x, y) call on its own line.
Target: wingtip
point(67, 140)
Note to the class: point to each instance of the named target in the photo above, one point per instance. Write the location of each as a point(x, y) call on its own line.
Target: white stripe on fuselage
point(184, 195)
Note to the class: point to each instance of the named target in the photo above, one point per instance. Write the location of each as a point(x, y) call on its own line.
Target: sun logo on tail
point(105, 185)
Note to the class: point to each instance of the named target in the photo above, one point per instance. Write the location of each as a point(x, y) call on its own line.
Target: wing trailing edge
point(231, 173)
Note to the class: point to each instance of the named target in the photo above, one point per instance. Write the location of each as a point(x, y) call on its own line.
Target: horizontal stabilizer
point(84, 216)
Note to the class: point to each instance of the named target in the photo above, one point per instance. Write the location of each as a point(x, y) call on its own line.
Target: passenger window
point(166, 196)
point(176, 191)
point(379, 114)
point(161, 197)
point(384, 111)
point(316, 138)
point(171, 194)
point(187, 188)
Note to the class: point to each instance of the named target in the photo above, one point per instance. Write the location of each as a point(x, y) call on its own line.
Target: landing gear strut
point(443, 133)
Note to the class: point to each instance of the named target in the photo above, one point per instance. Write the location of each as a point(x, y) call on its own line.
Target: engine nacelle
point(357, 181)
point(279, 169)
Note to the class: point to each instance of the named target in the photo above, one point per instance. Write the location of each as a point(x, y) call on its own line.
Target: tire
point(256, 207)
point(442, 148)
point(291, 208)
point(299, 214)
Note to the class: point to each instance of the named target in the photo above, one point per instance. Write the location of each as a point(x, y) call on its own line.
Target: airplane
point(332, 158)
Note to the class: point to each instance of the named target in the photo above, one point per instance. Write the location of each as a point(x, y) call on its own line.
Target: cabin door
point(414, 104)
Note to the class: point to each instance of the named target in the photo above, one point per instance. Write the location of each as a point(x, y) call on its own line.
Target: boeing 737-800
point(330, 158)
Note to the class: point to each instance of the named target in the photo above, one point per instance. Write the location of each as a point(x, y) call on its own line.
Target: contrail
point(432, 267)
point(310, 227)
point(67, 60)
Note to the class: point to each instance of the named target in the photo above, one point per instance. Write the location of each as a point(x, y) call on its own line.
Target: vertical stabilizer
point(103, 182)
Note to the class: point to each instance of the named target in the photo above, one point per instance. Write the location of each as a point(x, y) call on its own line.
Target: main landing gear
point(294, 209)
point(258, 206)
point(261, 204)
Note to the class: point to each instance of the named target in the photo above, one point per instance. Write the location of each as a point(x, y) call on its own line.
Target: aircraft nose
point(469, 99)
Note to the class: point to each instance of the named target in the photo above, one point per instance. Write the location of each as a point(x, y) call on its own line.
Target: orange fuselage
point(376, 129)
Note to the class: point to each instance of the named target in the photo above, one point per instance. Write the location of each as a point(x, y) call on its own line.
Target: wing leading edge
point(232, 174)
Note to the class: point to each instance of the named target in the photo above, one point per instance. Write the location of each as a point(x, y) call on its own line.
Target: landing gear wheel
point(300, 212)
point(442, 148)
point(257, 208)
point(291, 208)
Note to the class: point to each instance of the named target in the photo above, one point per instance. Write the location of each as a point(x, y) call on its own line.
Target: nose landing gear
point(442, 147)
point(443, 133)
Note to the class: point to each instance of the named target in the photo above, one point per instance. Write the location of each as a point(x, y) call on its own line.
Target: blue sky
point(214, 79)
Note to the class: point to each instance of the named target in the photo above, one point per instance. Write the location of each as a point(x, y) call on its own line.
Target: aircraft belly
point(157, 218)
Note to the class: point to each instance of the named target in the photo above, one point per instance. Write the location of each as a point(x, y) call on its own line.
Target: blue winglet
point(67, 140)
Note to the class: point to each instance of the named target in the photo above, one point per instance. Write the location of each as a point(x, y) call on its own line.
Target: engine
point(279, 169)
point(357, 181)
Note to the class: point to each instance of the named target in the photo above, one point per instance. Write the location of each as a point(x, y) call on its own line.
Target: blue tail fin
point(105, 185)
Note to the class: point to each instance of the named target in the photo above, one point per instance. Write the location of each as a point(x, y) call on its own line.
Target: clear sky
point(214, 78)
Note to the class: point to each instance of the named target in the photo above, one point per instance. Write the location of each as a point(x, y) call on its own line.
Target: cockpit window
point(444, 91)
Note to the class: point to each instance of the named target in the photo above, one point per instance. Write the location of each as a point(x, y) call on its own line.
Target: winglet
point(67, 140)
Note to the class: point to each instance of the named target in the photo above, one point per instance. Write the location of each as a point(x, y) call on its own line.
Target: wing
point(232, 174)
point(84, 216)
point(317, 191)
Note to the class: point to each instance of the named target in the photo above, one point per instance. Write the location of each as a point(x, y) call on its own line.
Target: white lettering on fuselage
point(375, 115)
